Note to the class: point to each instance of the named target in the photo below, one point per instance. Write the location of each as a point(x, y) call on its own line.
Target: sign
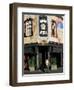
point(43, 29)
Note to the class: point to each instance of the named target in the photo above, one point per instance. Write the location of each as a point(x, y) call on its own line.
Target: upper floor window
point(53, 28)
point(28, 27)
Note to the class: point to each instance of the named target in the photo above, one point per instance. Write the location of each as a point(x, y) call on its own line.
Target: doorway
point(43, 56)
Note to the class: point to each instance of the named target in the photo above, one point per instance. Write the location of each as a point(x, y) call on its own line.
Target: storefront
point(43, 44)
point(43, 58)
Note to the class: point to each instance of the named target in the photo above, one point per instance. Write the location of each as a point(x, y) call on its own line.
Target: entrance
point(43, 56)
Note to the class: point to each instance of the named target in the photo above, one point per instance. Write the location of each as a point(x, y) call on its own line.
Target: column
point(49, 56)
point(61, 58)
point(37, 57)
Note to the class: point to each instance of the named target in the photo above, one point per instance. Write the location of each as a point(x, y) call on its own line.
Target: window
point(28, 27)
point(53, 28)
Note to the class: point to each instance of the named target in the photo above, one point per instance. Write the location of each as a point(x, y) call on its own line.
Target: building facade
point(43, 43)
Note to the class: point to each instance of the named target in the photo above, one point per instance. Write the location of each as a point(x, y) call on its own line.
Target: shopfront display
point(43, 59)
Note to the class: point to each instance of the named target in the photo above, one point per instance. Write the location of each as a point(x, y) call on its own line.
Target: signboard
point(43, 29)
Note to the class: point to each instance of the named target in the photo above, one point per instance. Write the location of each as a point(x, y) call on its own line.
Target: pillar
point(37, 57)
